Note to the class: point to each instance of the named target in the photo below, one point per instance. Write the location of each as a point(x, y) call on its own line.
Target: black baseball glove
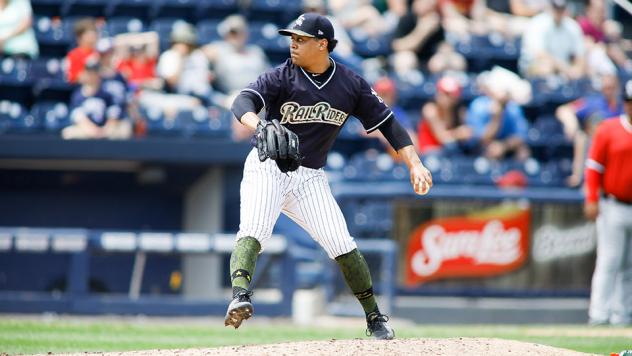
point(276, 142)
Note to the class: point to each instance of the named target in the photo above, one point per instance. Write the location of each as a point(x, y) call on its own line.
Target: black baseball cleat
point(239, 309)
point(378, 327)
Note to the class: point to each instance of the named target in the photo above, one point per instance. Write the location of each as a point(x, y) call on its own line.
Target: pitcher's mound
point(357, 347)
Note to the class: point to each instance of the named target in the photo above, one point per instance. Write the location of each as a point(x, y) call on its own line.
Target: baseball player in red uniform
point(609, 200)
point(306, 100)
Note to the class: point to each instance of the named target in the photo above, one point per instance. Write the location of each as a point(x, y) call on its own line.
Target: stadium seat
point(15, 82)
point(265, 35)
point(93, 8)
point(163, 27)
point(203, 122)
point(182, 9)
point(159, 125)
point(216, 9)
point(14, 118)
point(48, 8)
point(369, 47)
point(53, 116)
point(140, 9)
point(124, 24)
point(52, 36)
point(48, 80)
point(278, 11)
point(207, 31)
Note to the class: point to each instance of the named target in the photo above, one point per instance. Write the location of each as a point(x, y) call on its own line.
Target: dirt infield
point(452, 346)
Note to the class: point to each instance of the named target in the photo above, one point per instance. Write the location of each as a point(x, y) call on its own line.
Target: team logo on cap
point(299, 21)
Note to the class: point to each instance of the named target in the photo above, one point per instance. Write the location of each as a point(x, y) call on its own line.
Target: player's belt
point(624, 202)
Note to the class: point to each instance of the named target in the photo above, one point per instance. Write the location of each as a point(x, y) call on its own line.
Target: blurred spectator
point(138, 53)
point(419, 31)
point(580, 117)
point(464, 18)
point(93, 111)
point(498, 124)
point(359, 15)
point(112, 81)
point(510, 18)
point(385, 88)
point(609, 200)
point(592, 23)
point(235, 62)
point(446, 59)
point(87, 37)
point(17, 37)
point(184, 67)
point(617, 46)
point(553, 45)
point(603, 39)
point(439, 127)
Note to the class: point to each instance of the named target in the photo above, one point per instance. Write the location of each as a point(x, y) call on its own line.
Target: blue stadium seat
point(220, 121)
point(202, 122)
point(48, 8)
point(163, 27)
point(53, 37)
point(48, 78)
point(159, 125)
point(94, 8)
point(414, 91)
point(372, 165)
point(278, 11)
point(124, 24)
point(207, 31)
point(265, 35)
point(53, 116)
point(216, 9)
point(15, 81)
point(369, 47)
point(368, 218)
point(182, 9)
point(483, 52)
point(133, 8)
point(14, 118)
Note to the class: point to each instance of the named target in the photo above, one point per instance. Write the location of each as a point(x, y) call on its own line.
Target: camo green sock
point(243, 261)
point(358, 278)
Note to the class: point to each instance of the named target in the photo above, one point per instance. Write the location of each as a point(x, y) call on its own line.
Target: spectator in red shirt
point(139, 52)
point(439, 125)
point(87, 37)
point(609, 201)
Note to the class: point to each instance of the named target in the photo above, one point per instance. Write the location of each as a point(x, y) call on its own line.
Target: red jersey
point(77, 58)
point(426, 138)
point(137, 71)
point(609, 164)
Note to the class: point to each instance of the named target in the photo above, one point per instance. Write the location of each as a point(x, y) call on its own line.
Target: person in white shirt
point(553, 45)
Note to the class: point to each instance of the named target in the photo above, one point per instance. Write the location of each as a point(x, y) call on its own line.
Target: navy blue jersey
point(316, 112)
point(98, 107)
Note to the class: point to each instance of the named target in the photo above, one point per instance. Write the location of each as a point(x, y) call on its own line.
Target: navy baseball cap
point(310, 25)
point(559, 4)
point(627, 91)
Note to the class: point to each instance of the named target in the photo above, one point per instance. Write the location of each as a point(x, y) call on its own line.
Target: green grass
point(34, 336)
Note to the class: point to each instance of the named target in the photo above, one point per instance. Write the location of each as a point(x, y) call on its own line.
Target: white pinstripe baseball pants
point(303, 195)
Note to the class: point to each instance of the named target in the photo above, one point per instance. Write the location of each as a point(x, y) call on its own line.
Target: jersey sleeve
point(267, 86)
point(370, 108)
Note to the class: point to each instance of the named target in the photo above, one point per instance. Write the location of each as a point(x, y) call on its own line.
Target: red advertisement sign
point(487, 244)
